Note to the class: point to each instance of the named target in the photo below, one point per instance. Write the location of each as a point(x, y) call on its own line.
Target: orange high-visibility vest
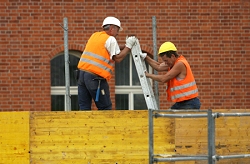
point(184, 89)
point(96, 58)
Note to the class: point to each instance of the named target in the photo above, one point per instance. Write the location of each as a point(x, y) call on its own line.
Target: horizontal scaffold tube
point(216, 115)
point(187, 158)
point(232, 114)
point(180, 115)
point(231, 156)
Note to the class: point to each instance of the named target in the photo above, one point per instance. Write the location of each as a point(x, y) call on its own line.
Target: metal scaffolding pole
point(155, 58)
point(151, 136)
point(66, 59)
point(211, 137)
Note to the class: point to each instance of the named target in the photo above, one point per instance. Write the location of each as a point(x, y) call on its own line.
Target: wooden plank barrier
point(114, 137)
point(96, 137)
point(14, 137)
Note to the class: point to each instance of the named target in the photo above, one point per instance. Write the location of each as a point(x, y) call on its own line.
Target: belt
point(91, 73)
point(187, 100)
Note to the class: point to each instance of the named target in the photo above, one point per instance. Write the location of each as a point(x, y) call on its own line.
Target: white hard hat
point(113, 21)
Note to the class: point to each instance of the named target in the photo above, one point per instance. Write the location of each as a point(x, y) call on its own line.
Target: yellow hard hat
point(167, 46)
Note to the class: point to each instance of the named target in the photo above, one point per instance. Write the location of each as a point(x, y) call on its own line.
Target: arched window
point(58, 92)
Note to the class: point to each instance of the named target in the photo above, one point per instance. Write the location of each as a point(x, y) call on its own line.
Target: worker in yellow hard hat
point(181, 85)
point(96, 64)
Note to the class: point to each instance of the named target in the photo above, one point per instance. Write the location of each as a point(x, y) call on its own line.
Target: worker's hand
point(143, 55)
point(146, 73)
point(130, 41)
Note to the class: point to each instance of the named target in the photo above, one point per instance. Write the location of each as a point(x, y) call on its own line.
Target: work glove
point(143, 55)
point(130, 41)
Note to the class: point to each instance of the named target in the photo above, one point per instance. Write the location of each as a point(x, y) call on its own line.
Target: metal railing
point(211, 157)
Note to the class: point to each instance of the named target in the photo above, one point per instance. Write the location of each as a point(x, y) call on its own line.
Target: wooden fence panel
point(14, 137)
point(116, 137)
point(93, 137)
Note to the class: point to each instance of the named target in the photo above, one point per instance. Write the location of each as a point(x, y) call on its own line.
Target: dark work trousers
point(188, 104)
point(87, 88)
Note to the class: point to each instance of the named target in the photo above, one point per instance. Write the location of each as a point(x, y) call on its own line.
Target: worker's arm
point(119, 57)
point(122, 47)
point(176, 70)
point(156, 65)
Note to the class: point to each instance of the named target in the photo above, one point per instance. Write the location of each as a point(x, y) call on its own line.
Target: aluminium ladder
point(145, 83)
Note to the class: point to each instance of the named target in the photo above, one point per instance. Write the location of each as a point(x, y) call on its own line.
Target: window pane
point(58, 70)
point(135, 78)
point(74, 103)
point(121, 101)
point(73, 66)
point(57, 102)
point(140, 103)
point(122, 72)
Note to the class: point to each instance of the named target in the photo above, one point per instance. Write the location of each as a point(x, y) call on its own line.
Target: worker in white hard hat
point(181, 85)
point(97, 62)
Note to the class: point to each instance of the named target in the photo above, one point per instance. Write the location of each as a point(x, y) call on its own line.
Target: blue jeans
point(87, 88)
point(188, 104)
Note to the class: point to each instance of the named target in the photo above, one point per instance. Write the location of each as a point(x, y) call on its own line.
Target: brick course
point(214, 36)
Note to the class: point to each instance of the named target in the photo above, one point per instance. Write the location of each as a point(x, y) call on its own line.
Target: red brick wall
point(214, 36)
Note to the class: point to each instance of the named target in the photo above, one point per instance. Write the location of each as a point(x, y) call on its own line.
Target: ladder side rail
point(145, 83)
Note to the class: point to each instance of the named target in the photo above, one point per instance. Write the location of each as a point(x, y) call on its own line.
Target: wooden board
point(14, 137)
point(119, 137)
point(96, 137)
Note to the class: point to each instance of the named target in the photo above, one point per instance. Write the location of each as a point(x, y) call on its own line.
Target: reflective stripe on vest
point(184, 94)
point(85, 54)
point(183, 86)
